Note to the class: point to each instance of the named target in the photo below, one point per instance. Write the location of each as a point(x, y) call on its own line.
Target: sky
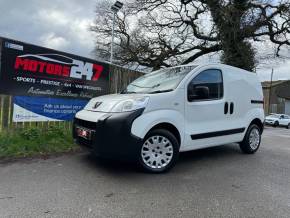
point(58, 24)
point(64, 25)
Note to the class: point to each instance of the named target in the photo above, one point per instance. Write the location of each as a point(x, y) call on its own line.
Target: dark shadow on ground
point(111, 165)
point(212, 154)
point(274, 127)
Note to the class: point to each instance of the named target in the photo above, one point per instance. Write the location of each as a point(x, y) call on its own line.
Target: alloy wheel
point(254, 138)
point(157, 152)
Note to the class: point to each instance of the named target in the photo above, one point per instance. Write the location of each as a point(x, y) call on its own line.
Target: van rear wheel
point(252, 140)
point(159, 151)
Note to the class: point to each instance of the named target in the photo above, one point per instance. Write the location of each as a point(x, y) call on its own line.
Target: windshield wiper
point(160, 91)
point(146, 87)
point(127, 92)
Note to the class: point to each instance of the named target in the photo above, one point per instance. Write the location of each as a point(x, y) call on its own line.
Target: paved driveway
point(216, 182)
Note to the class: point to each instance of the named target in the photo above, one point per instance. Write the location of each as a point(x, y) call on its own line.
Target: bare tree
point(156, 33)
point(142, 40)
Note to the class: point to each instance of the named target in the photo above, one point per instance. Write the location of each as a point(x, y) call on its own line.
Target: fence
point(119, 79)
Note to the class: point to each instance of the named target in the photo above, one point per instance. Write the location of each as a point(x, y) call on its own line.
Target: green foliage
point(30, 134)
point(35, 141)
point(239, 54)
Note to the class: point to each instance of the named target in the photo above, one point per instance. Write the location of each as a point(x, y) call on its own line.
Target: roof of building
point(282, 87)
point(266, 84)
point(283, 90)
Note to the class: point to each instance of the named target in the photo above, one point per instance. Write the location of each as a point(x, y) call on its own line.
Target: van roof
point(212, 64)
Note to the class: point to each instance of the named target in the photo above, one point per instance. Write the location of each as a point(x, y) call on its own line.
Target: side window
point(207, 85)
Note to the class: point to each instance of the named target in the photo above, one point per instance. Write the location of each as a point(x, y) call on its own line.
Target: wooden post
point(1, 111)
point(270, 92)
point(5, 112)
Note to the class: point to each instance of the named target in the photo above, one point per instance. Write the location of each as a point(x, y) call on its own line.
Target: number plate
point(84, 133)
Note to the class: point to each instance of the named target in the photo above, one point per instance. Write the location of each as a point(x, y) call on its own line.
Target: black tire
point(245, 144)
point(175, 148)
point(288, 126)
point(276, 124)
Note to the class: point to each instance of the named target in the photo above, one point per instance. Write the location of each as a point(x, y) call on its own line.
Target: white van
point(174, 110)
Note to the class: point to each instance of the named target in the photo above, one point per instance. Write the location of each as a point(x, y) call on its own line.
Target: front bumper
point(111, 135)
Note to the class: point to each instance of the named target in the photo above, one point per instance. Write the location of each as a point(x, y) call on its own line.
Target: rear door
point(284, 120)
point(205, 117)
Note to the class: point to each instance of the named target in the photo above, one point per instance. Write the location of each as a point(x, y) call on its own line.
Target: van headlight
point(131, 104)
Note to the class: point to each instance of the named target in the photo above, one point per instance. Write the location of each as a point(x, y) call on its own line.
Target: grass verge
point(35, 142)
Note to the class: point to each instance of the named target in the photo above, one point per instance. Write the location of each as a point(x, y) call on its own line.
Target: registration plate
point(84, 133)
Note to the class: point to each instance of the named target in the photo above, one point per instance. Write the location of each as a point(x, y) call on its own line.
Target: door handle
point(226, 108)
point(231, 108)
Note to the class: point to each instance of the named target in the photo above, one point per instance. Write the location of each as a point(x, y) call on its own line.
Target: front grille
point(85, 142)
point(84, 123)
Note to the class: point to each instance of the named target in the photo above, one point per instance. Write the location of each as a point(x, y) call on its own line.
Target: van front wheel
point(159, 151)
point(252, 140)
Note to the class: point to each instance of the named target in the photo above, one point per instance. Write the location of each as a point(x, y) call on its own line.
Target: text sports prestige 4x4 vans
point(174, 110)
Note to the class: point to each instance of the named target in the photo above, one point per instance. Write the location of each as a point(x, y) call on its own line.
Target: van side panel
point(256, 108)
point(244, 88)
point(254, 102)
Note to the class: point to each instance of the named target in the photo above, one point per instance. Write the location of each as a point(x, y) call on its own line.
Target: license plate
point(84, 133)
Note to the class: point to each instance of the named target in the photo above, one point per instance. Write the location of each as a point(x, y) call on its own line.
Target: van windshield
point(164, 80)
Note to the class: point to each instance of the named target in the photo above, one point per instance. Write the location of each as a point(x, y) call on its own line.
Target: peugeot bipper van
point(174, 110)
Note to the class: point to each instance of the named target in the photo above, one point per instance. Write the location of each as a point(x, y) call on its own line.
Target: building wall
point(277, 104)
point(287, 106)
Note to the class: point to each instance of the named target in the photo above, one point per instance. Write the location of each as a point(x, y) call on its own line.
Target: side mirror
point(198, 92)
